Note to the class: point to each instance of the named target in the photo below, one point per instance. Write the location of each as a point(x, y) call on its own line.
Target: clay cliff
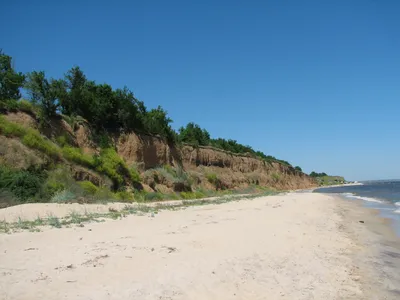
point(149, 152)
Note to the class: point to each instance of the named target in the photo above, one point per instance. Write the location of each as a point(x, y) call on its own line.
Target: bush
point(134, 174)
point(11, 129)
point(113, 166)
point(34, 140)
point(63, 196)
point(88, 188)
point(58, 180)
point(124, 196)
point(154, 196)
point(62, 140)
point(9, 105)
point(30, 137)
point(104, 194)
point(213, 179)
point(275, 177)
point(24, 185)
point(26, 106)
point(76, 155)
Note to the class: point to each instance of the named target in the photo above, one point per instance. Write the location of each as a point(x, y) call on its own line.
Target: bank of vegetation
point(77, 99)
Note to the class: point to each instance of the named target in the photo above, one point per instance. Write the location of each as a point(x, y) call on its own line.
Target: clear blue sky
point(316, 83)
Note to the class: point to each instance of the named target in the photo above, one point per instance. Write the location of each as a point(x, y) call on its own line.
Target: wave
point(397, 211)
point(351, 195)
point(397, 203)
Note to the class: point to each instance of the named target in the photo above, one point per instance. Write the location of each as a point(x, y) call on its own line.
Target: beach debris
point(29, 249)
point(170, 249)
point(361, 221)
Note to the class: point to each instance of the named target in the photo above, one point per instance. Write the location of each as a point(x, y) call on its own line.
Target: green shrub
point(88, 188)
point(62, 140)
point(134, 174)
point(103, 194)
point(26, 106)
point(163, 176)
point(58, 180)
point(213, 179)
point(30, 137)
point(51, 187)
point(10, 104)
point(275, 176)
point(76, 155)
point(24, 185)
point(154, 196)
point(63, 196)
point(124, 196)
point(11, 129)
point(113, 166)
point(34, 140)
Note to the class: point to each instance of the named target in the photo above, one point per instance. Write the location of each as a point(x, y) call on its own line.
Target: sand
point(293, 246)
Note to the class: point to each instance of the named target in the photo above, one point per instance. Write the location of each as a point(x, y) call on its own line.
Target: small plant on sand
point(54, 221)
point(63, 196)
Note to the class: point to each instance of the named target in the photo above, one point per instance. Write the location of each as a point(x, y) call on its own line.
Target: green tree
point(297, 168)
point(74, 97)
point(43, 92)
point(10, 81)
point(194, 135)
point(156, 121)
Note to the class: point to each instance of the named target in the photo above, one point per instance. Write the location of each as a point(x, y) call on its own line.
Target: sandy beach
point(291, 246)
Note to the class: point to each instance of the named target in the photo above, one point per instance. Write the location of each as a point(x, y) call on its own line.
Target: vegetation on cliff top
point(104, 108)
point(78, 100)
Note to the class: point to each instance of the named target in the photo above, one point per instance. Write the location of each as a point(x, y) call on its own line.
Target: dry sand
point(293, 246)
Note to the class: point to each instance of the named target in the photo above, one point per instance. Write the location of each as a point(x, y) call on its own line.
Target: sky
point(316, 83)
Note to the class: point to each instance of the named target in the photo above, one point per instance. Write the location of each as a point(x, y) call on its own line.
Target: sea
point(383, 195)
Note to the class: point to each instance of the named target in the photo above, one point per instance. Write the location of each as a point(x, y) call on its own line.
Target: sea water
point(383, 195)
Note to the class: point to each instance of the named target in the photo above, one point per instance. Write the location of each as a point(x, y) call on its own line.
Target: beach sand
point(290, 246)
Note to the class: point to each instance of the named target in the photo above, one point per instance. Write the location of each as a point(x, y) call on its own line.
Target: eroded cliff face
point(233, 170)
point(148, 152)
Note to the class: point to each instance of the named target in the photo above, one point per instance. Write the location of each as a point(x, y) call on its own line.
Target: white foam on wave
point(350, 195)
point(397, 203)
point(397, 211)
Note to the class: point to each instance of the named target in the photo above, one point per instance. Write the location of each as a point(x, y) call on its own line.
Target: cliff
point(147, 152)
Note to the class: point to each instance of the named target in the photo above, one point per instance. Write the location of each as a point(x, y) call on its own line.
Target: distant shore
point(289, 246)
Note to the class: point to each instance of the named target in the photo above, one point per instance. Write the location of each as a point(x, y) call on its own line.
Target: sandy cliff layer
point(150, 151)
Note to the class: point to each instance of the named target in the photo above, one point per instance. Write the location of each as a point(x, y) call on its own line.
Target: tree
point(156, 121)
point(10, 81)
point(131, 111)
point(194, 135)
point(43, 92)
point(314, 174)
point(74, 101)
point(297, 168)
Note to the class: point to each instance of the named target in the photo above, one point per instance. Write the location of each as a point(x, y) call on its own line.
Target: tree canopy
point(10, 81)
point(105, 108)
point(315, 174)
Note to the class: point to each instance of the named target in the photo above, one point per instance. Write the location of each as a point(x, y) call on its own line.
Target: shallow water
point(383, 195)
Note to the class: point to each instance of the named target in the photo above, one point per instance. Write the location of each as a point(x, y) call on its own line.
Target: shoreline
point(289, 246)
point(379, 246)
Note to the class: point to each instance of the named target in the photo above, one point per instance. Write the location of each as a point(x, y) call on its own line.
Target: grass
point(77, 156)
point(29, 137)
point(139, 209)
point(54, 221)
point(15, 105)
